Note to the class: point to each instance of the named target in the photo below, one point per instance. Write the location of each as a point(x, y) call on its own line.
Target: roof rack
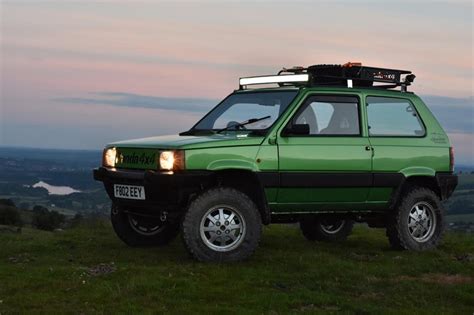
point(349, 75)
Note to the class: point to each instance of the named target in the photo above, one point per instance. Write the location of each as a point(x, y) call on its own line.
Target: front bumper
point(164, 191)
point(447, 182)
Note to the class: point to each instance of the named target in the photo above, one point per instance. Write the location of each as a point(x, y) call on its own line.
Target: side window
point(330, 115)
point(393, 117)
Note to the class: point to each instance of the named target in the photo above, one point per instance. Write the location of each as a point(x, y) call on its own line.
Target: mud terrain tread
point(198, 207)
point(130, 237)
point(398, 237)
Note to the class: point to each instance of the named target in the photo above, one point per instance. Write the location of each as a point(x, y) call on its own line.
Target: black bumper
point(447, 182)
point(164, 191)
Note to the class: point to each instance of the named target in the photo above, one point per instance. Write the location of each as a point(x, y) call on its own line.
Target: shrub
point(10, 216)
point(76, 220)
point(7, 202)
point(43, 219)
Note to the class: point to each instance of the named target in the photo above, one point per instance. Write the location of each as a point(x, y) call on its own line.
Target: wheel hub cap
point(222, 228)
point(145, 226)
point(332, 227)
point(421, 222)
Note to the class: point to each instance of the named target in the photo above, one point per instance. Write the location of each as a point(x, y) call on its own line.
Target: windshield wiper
point(244, 123)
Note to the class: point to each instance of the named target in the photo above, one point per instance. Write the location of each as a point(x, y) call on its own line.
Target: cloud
point(41, 51)
point(192, 105)
point(456, 115)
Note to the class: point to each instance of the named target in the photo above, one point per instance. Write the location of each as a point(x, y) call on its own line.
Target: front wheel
point(326, 229)
point(417, 223)
point(140, 231)
point(221, 225)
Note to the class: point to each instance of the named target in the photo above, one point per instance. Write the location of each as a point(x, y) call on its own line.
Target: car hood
point(191, 142)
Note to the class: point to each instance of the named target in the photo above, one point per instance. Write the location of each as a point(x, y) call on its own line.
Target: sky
point(80, 74)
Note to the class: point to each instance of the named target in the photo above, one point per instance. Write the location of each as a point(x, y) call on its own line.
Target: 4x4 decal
point(136, 158)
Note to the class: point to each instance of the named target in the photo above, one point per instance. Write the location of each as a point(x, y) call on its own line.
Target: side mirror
point(297, 129)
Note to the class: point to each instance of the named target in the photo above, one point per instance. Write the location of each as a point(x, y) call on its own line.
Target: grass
point(88, 270)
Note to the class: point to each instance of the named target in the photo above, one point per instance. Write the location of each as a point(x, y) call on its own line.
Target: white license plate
point(129, 192)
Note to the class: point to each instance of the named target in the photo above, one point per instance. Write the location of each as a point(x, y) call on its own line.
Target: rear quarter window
point(388, 116)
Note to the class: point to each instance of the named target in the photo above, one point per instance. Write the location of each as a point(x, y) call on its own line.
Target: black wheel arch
point(442, 184)
point(248, 183)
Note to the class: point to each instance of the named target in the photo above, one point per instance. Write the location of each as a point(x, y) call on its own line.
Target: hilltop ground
point(88, 270)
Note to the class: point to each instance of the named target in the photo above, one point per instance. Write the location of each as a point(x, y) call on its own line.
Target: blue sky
point(81, 74)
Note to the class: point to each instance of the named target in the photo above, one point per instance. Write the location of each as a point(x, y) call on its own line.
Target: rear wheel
point(137, 231)
point(417, 222)
point(326, 229)
point(222, 224)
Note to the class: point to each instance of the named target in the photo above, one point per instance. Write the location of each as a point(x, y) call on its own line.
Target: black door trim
point(328, 180)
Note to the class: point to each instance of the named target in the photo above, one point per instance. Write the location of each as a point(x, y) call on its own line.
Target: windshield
point(247, 111)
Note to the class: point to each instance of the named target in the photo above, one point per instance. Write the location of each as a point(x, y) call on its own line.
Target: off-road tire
point(397, 226)
point(312, 230)
point(215, 198)
point(122, 227)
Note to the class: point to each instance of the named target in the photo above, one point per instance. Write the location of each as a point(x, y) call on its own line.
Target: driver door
point(329, 168)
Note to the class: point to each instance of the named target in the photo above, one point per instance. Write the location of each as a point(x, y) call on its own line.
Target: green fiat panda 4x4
point(325, 146)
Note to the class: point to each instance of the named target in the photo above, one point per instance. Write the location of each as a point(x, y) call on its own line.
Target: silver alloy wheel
point(222, 228)
point(421, 222)
point(145, 226)
point(332, 227)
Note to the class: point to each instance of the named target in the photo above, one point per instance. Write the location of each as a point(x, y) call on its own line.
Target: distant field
point(465, 179)
point(88, 270)
point(460, 218)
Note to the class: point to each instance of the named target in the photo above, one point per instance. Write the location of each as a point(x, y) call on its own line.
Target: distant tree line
point(89, 201)
point(9, 214)
point(42, 218)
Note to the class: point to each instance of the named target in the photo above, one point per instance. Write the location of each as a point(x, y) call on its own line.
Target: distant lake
point(55, 190)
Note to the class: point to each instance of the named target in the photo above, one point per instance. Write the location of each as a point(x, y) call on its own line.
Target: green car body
point(274, 153)
point(288, 176)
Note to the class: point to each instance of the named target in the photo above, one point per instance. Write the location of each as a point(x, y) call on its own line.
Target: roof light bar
point(290, 78)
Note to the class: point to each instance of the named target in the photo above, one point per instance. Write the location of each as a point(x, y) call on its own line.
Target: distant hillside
point(461, 204)
point(465, 168)
point(21, 168)
point(74, 158)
